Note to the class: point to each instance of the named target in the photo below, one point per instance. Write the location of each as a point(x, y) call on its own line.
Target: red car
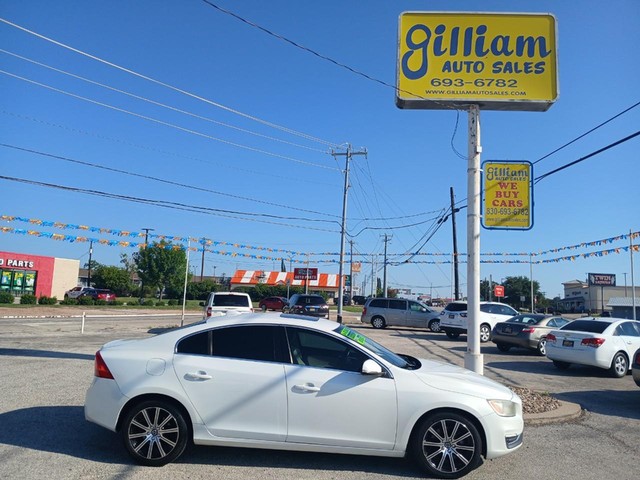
point(99, 294)
point(272, 303)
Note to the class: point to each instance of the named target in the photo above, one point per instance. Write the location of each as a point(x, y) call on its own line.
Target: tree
point(113, 278)
point(517, 287)
point(161, 265)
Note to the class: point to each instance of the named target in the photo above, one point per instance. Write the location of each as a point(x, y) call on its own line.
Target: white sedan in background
point(607, 343)
point(289, 382)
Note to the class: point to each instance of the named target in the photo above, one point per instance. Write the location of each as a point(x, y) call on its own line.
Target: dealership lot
point(47, 365)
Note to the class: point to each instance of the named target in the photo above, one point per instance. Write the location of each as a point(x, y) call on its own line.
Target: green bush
point(43, 300)
point(149, 303)
point(160, 304)
point(173, 302)
point(6, 297)
point(69, 301)
point(28, 299)
point(85, 301)
point(117, 303)
point(100, 302)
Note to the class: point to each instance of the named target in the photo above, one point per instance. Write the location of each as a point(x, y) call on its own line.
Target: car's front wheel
point(155, 432)
point(619, 365)
point(447, 445)
point(263, 308)
point(542, 347)
point(378, 322)
point(434, 326)
point(453, 335)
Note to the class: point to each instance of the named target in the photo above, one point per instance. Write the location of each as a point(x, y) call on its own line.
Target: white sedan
point(607, 343)
point(289, 382)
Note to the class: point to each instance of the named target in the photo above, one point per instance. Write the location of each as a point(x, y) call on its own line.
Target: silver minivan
point(380, 312)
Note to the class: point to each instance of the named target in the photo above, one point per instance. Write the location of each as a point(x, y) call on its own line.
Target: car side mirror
point(369, 367)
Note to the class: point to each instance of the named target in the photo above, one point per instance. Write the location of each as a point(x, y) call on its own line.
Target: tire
point(485, 333)
point(542, 347)
point(155, 433)
point(434, 326)
point(452, 335)
point(447, 445)
point(503, 347)
point(378, 322)
point(619, 365)
point(561, 365)
point(263, 308)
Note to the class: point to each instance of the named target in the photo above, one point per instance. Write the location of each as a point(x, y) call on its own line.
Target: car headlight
point(504, 408)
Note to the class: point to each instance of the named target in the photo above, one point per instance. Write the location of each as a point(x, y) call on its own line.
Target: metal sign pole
point(473, 359)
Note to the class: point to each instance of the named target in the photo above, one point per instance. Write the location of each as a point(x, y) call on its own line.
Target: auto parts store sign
point(507, 195)
point(500, 61)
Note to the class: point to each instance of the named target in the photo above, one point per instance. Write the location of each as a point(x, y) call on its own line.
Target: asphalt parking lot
point(46, 365)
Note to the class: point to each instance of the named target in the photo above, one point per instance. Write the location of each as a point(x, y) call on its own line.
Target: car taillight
point(209, 311)
point(364, 310)
point(637, 360)
point(100, 368)
point(551, 338)
point(592, 342)
point(528, 330)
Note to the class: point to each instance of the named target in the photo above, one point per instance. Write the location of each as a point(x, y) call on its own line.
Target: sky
point(177, 117)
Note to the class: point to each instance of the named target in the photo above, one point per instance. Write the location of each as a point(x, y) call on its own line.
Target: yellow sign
point(507, 195)
point(500, 61)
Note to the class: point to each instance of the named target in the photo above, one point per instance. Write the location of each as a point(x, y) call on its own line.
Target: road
point(46, 367)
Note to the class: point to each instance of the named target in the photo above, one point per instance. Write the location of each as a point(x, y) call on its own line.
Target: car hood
point(451, 378)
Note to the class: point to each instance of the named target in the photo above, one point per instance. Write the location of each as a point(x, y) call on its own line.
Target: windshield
point(373, 347)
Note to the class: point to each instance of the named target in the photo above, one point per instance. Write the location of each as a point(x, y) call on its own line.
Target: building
point(326, 282)
point(622, 307)
point(581, 296)
point(37, 275)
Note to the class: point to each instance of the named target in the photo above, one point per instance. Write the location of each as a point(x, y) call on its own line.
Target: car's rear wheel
point(485, 333)
point(447, 445)
point(503, 347)
point(453, 335)
point(434, 326)
point(542, 347)
point(619, 365)
point(378, 322)
point(155, 433)
point(561, 365)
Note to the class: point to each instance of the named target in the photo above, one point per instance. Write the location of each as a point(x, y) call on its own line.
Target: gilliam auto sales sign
point(499, 61)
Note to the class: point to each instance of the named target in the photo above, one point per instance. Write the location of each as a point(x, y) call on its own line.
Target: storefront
point(22, 274)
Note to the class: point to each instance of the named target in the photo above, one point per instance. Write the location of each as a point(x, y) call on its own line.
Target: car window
point(627, 329)
point(378, 303)
point(506, 310)
point(398, 304)
point(487, 308)
point(456, 307)
point(591, 326)
point(416, 307)
point(311, 300)
point(222, 300)
point(251, 342)
point(319, 350)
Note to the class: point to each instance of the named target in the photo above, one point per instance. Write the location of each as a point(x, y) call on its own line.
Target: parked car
point(289, 382)
point(308, 304)
point(221, 302)
point(359, 299)
point(272, 303)
point(380, 312)
point(635, 367)
point(608, 343)
point(99, 294)
point(453, 319)
point(75, 292)
point(526, 331)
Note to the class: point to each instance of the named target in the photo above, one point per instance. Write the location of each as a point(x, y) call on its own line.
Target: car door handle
point(199, 375)
point(307, 387)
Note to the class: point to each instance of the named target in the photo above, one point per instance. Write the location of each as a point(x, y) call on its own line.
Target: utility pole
point(456, 278)
point(351, 282)
point(387, 238)
point(146, 244)
point(343, 230)
point(90, 253)
point(202, 265)
point(374, 282)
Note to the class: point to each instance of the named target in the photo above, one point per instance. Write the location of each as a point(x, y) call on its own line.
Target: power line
point(171, 87)
point(167, 124)
point(169, 107)
point(161, 180)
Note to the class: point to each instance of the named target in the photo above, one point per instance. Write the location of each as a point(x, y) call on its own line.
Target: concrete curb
point(566, 412)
